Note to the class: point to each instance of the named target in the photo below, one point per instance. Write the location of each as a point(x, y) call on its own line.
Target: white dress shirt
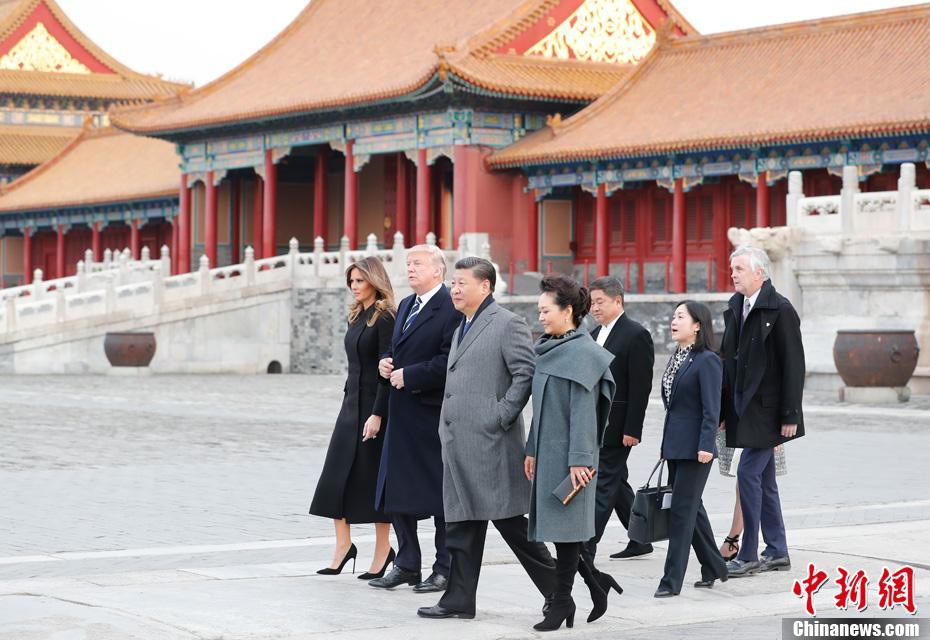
point(604, 333)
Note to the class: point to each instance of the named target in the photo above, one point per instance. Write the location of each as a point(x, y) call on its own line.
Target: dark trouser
point(465, 541)
point(614, 494)
point(408, 545)
point(758, 496)
point(689, 527)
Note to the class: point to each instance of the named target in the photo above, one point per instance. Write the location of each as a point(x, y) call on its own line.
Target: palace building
point(53, 79)
point(583, 136)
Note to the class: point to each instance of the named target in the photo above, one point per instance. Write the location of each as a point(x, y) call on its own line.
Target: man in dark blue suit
point(410, 476)
point(763, 364)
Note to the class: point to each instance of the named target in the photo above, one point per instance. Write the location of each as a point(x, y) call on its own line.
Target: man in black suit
point(631, 368)
point(410, 476)
point(763, 384)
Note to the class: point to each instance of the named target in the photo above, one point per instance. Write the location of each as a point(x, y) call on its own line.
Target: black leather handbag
point(648, 518)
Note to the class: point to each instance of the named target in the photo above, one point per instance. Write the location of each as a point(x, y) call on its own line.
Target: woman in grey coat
point(572, 393)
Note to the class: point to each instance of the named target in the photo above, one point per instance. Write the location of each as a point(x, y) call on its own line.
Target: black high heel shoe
point(733, 541)
point(350, 555)
point(372, 576)
point(559, 612)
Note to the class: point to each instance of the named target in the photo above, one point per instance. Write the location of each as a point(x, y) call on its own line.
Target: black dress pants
point(465, 542)
point(408, 544)
point(689, 526)
point(614, 495)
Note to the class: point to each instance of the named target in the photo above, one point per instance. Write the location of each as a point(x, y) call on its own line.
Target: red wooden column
point(60, 252)
point(135, 247)
point(319, 195)
point(402, 211)
point(423, 198)
point(762, 200)
point(679, 259)
point(350, 208)
point(235, 240)
point(532, 258)
point(602, 259)
point(270, 209)
point(258, 223)
point(173, 249)
point(209, 219)
point(184, 228)
point(27, 255)
point(95, 242)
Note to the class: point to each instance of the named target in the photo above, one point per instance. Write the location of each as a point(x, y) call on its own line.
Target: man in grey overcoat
point(488, 380)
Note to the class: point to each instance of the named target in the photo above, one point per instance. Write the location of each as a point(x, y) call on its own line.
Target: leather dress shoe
point(395, 578)
point(632, 550)
point(662, 592)
point(434, 584)
point(438, 611)
point(742, 568)
point(709, 584)
point(775, 564)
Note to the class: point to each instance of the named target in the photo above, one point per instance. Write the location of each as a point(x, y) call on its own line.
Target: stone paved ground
point(175, 507)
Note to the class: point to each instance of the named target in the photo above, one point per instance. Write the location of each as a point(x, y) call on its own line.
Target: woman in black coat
point(691, 387)
point(346, 489)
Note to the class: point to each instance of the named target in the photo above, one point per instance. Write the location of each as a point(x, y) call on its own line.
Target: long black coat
point(410, 477)
point(766, 362)
point(634, 357)
point(347, 483)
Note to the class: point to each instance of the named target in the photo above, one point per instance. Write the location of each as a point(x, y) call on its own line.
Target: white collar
point(429, 294)
point(609, 327)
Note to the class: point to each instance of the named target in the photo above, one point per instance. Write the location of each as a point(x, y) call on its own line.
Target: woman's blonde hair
point(372, 271)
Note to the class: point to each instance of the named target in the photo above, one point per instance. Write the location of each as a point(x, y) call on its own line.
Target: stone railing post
point(906, 185)
point(123, 266)
point(158, 289)
point(249, 266)
point(10, 314)
point(293, 255)
point(343, 250)
point(372, 246)
point(89, 260)
point(145, 256)
point(38, 289)
point(793, 199)
point(318, 256)
point(400, 256)
point(61, 306)
point(107, 258)
point(848, 199)
point(203, 274)
point(165, 257)
point(431, 239)
point(81, 274)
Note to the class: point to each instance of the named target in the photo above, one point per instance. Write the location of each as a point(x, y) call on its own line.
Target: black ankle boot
point(561, 606)
point(561, 610)
point(598, 593)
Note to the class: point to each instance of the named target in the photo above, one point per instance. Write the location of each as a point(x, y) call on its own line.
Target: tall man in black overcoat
point(410, 476)
point(634, 357)
point(763, 368)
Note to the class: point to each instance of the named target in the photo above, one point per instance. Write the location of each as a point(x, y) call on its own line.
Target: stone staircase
point(234, 319)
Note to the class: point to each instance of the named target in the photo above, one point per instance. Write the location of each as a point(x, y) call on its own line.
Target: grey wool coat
point(572, 393)
point(488, 381)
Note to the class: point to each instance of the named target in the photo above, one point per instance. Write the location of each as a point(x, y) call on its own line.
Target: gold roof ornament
point(599, 31)
point(40, 51)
